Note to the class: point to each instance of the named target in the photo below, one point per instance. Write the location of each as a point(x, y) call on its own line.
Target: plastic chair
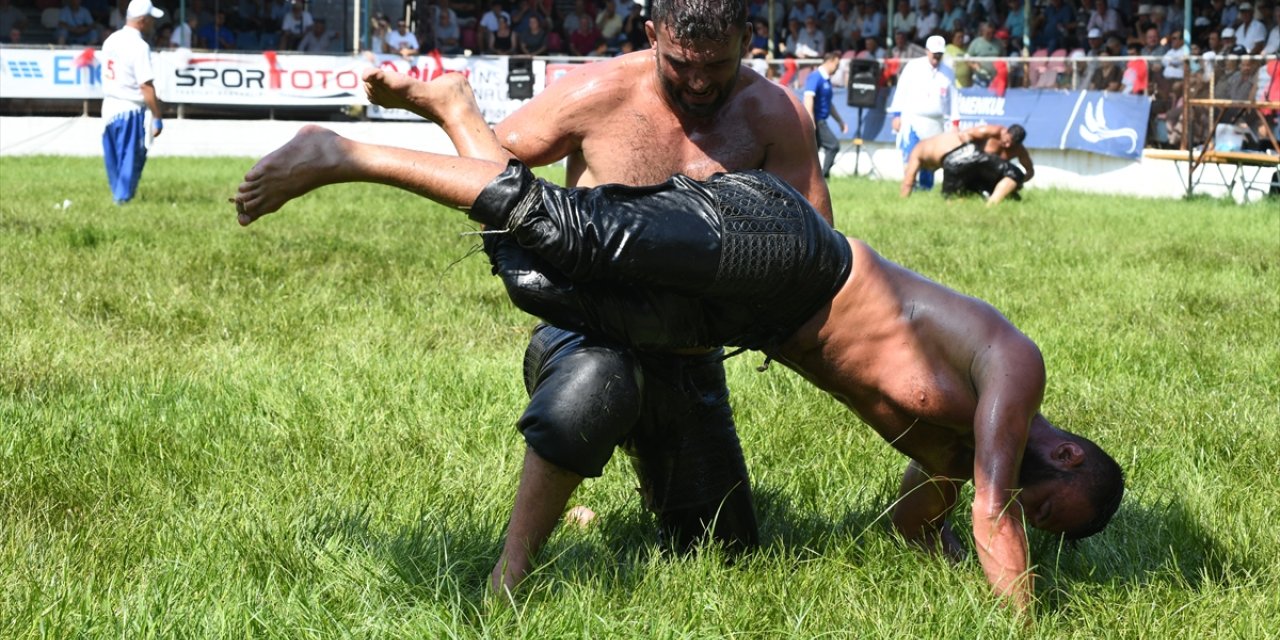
point(1038, 69)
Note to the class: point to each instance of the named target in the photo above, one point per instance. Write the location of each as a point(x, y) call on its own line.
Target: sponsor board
point(48, 73)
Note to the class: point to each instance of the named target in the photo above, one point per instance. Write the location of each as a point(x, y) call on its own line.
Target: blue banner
point(1113, 124)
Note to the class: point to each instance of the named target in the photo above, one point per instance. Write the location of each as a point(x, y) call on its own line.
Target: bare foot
point(438, 100)
point(312, 159)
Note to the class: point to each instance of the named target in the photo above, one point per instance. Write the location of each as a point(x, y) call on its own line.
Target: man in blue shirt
point(817, 101)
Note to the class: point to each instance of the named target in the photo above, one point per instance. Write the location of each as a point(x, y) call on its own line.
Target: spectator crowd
point(996, 44)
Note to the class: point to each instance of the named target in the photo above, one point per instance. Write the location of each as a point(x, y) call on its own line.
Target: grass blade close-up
point(305, 428)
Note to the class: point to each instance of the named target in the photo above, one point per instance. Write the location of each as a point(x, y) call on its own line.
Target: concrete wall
point(1071, 170)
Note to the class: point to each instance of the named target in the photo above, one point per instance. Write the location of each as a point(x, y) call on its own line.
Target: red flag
point(85, 58)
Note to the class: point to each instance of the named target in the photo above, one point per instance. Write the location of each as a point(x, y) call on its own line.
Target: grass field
point(304, 428)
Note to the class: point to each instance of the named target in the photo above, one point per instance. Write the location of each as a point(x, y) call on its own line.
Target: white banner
point(259, 79)
point(488, 78)
point(48, 73)
point(263, 79)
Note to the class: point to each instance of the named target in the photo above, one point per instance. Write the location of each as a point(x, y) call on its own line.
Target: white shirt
point(396, 41)
point(1250, 34)
point(181, 37)
point(926, 91)
point(296, 24)
point(1273, 41)
point(126, 66)
point(490, 20)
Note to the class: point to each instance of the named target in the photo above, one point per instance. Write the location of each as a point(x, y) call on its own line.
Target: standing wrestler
point(975, 160)
point(684, 106)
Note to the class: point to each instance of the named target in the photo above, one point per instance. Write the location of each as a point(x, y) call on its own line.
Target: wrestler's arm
point(909, 174)
point(1009, 377)
point(1024, 159)
point(920, 513)
point(546, 129)
point(792, 153)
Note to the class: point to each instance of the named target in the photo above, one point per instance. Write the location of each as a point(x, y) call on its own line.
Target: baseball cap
point(935, 44)
point(1202, 22)
point(1095, 33)
point(141, 8)
point(1144, 9)
point(1228, 33)
point(1245, 6)
point(1239, 50)
point(1003, 33)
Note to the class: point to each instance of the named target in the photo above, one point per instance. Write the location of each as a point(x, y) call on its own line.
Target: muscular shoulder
point(771, 110)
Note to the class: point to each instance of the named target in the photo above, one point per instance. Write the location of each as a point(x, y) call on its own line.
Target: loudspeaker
point(520, 78)
point(864, 82)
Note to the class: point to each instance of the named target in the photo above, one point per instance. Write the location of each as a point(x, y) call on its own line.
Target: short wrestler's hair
point(1017, 133)
point(691, 20)
point(830, 55)
point(1098, 476)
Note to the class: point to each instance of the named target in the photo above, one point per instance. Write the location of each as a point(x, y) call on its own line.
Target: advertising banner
point(488, 78)
point(1113, 124)
point(48, 73)
point(258, 79)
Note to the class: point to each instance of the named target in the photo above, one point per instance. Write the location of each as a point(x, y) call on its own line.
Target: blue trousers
point(124, 151)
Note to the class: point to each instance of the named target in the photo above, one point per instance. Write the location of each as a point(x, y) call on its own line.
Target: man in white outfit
point(923, 103)
point(128, 93)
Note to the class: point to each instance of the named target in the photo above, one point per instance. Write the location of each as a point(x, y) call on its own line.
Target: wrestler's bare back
point(902, 357)
point(611, 122)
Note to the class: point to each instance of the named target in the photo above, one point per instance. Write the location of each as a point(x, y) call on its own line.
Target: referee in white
point(128, 92)
point(924, 102)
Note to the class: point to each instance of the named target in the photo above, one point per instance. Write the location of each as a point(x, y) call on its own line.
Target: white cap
point(1245, 6)
point(142, 8)
point(1144, 9)
point(1228, 33)
point(1095, 33)
point(1202, 22)
point(935, 44)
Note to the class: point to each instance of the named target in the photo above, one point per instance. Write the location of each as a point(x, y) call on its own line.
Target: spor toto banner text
point(252, 79)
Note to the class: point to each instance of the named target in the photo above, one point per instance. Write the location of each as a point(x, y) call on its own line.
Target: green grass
point(304, 428)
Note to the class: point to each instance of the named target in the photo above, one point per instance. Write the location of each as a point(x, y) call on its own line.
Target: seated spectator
point(904, 49)
point(11, 18)
point(809, 43)
point(1159, 19)
point(533, 41)
point(1174, 58)
point(184, 36)
point(448, 36)
point(527, 9)
point(952, 17)
point(76, 25)
point(15, 36)
point(379, 27)
point(759, 47)
point(904, 19)
point(1228, 41)
point(501, 42)
point(318, 40)
point(926, 21)
point(842, 32)
point(954, 53)
point(872, 50)
point(493, 17)
point(984, 46)
point(295, 23)
point(403, 42)
point(1135, 73)
point(1059, 26)
point(586, 39)
point(217, 36)
point(801, 9)
point(1104, 20)
point(163, 34)
point(1250, 32)
point(1111, 77)
point(1015, 22)
point(610, 25)
point(633, 28)
point(872, 20)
